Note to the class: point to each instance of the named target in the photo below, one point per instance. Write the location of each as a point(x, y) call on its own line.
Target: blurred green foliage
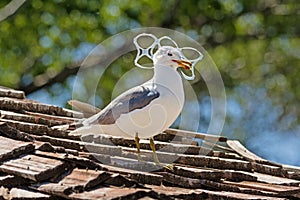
point(255, 45)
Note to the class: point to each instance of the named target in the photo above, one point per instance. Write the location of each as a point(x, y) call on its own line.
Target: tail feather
point(86, 130)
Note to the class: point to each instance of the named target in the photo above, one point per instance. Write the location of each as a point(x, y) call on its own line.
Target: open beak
point(183, 63)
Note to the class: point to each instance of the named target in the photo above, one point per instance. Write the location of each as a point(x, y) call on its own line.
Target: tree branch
point(46, 80)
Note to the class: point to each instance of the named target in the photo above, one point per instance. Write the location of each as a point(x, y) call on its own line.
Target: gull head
point(170, 56)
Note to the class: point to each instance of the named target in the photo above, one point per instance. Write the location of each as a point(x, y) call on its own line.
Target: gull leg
point(137, 143)
point(155, 158)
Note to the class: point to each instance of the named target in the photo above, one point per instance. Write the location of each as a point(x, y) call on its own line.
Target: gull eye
point(170, 54)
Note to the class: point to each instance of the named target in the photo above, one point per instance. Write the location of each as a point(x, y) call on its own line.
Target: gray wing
point(135, 98)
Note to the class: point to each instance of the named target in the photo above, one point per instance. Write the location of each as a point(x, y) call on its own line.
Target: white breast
point(156, 116)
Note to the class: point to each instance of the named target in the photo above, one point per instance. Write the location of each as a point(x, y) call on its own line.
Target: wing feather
point(135, 98)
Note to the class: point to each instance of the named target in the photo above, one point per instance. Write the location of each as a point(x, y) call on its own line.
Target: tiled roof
point(38, 161)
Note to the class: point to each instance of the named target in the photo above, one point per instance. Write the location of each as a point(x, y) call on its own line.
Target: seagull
point(147, 109)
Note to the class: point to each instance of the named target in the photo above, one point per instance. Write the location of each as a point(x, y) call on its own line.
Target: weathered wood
point(236, 195)
point(134, 164)
point(222, 154)
point(13, 133)
point(241, 150)
point(248, 155)
point(292, 172)
point(6, 92)
point(184, 193)
point(12, 148)
point(213, 174)
point(59, 120)
point(279, 189)
point(214, 162)
point(99, 158)
point(181, 181)
point(147, 155)
point(269, 179)
point(77, 181)
point(4, 193)
point(216, 172)
point(185, 182)
point(18, 105)
point(17, 194)
point(268, 169)
point(36, 119)
point(192, 134)
point(81, 146)
point(87, 109)
point(12, 181)
point(111, 193)
point(215, 145)
point(144, 144)
point(139, 176)
point(36, 129)
point(34, 167)
point(122, 181)
point(76, 160)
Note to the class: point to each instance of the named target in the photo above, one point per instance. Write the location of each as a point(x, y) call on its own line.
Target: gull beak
point(184, 64)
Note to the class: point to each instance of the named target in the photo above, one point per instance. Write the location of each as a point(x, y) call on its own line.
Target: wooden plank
point(193, 183)
point(14, 133)
point(33, 128)
point(134, 164)
point(192, 134)
point(280, 189)
point(147, 155)
point(213, 174)
point(215, 162)
point(26, 105)
point(269, 179)
point(11, 180)
point(236, 195)
point(34, 167)
point(77, 181)
point(214, 145)
point(7, 92)
point(36, 119)
point(144, 144)
point(80, 146)
point(176, 192)
point(268, 169)
point(12, 148)
point(111, 193)
point(85, 177)
point(139, 176)
point(122, 181)
point(241, 150)
point(58, 119)
point(16, 194)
